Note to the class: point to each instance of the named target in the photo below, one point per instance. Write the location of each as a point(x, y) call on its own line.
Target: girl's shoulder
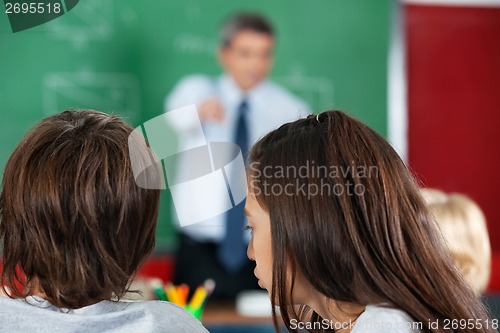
point(383, 319)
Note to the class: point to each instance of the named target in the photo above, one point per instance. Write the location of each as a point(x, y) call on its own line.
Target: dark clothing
point(196, 262)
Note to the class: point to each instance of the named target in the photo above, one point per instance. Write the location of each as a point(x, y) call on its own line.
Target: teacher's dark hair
point(72, 219)
point(365, 236)
point(241, 22)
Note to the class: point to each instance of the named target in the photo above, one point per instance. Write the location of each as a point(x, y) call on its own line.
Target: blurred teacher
point(239, 106)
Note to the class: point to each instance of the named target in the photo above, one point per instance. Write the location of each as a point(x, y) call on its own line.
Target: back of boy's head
point(71, 215)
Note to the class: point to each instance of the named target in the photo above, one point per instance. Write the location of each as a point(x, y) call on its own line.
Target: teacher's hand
point(211, 110)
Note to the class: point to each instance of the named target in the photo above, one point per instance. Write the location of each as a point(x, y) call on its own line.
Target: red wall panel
point(453, 73)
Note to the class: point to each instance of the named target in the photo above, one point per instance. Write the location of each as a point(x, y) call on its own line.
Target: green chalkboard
point(124, 56)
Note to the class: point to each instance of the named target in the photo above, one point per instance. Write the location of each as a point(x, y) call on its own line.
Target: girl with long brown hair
point(342, 238)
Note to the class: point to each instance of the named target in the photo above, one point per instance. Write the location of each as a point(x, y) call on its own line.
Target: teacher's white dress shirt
point(270, 106)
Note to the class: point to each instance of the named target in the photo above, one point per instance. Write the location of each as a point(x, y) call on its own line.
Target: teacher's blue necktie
point(232, 249)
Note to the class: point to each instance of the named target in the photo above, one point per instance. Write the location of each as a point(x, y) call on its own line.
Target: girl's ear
point(5, 291)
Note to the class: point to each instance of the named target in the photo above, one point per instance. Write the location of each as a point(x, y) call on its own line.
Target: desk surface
point(221, 317)
point(221, 313)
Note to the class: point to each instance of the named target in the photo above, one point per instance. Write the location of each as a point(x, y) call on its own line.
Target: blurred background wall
point(125, 56)
point(453, 102)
